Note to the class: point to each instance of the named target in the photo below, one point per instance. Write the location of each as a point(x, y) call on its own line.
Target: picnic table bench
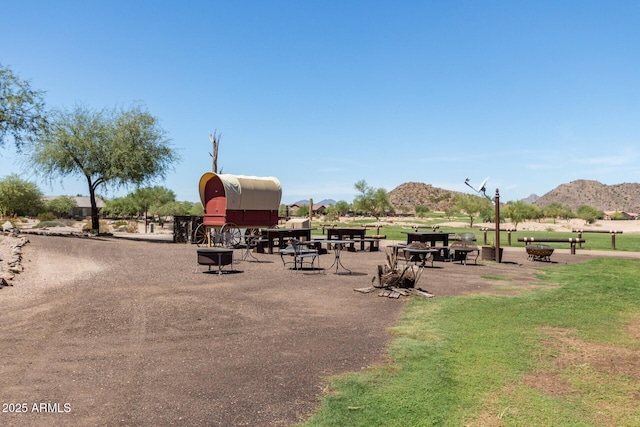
point(433, 238)
point(357, 234)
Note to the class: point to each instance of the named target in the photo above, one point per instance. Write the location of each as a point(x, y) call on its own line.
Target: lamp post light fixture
point(481, 189)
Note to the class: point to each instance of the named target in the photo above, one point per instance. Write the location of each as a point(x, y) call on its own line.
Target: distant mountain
point(407, 196)
point(619, 197)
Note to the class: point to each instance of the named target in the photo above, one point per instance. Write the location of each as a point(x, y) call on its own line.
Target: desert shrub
point(104, 229)
point(46, 216)
point(130, 226)
point(421, 211)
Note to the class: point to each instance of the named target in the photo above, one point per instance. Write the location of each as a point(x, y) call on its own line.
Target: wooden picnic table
point(431, 237)
point(270, 235)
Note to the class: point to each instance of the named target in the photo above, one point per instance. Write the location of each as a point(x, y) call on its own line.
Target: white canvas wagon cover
point(244, 192)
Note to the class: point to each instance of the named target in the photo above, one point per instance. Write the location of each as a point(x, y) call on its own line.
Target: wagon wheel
point(201, 236)
point(231, 234)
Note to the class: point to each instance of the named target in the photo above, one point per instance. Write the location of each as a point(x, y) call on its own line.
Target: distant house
point(83, 208)
point(623, 215)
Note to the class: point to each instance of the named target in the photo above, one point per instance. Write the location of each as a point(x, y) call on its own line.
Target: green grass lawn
point(564, 355)
point(594, 241)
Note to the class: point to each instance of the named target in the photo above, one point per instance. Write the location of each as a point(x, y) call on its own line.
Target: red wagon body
point(245, 201)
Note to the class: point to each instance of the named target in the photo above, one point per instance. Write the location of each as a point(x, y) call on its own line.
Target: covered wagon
point(233, 203)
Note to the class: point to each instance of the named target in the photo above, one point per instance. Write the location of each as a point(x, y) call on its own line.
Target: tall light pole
point(497, 202)
point(481, 189)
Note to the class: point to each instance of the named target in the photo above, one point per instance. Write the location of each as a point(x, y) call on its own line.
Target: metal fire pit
point(539, 252)
point(219, 257)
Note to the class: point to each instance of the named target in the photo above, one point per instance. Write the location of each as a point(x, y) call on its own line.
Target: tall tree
point(556, 210)
point(589, 214)
point(121, 207)
point(21, 108)
point(471, 205)
point(342, 207)
point(519, 211)
point(114, 148)
point(61, 206)
point(19, 197)
point(149, 198)
point(373, 201)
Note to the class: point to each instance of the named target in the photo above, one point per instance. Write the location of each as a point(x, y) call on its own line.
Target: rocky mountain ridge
point(407, 196)
point(619, 197)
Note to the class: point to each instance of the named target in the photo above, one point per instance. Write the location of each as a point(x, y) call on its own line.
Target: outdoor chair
point(464, 245)
point(300, 253)
point(467, 237)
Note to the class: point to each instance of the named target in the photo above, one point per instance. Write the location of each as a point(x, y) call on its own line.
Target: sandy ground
point(573, 224)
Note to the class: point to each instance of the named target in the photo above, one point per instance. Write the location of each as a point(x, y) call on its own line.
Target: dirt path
point(118, 332)
point(126, 333)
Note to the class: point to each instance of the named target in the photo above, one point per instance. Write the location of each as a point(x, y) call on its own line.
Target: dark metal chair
point(301, 253)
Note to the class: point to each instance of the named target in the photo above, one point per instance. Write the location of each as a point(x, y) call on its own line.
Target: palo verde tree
point(113, 148)
point(149, 199)
point(589, 214)
point(556, 210)
point(19, 197)
point(519, 211)
point(61, 206)
point(373, 201)
point(471, 205)
point(342, 207)
point(122, 207)
point(21, 108)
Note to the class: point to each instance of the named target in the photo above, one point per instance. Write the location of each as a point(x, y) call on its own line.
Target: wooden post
point(310, 211)
point(613, 240)
point(497, 202)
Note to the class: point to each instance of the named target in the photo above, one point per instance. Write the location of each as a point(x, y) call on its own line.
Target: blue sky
point(322, 94)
